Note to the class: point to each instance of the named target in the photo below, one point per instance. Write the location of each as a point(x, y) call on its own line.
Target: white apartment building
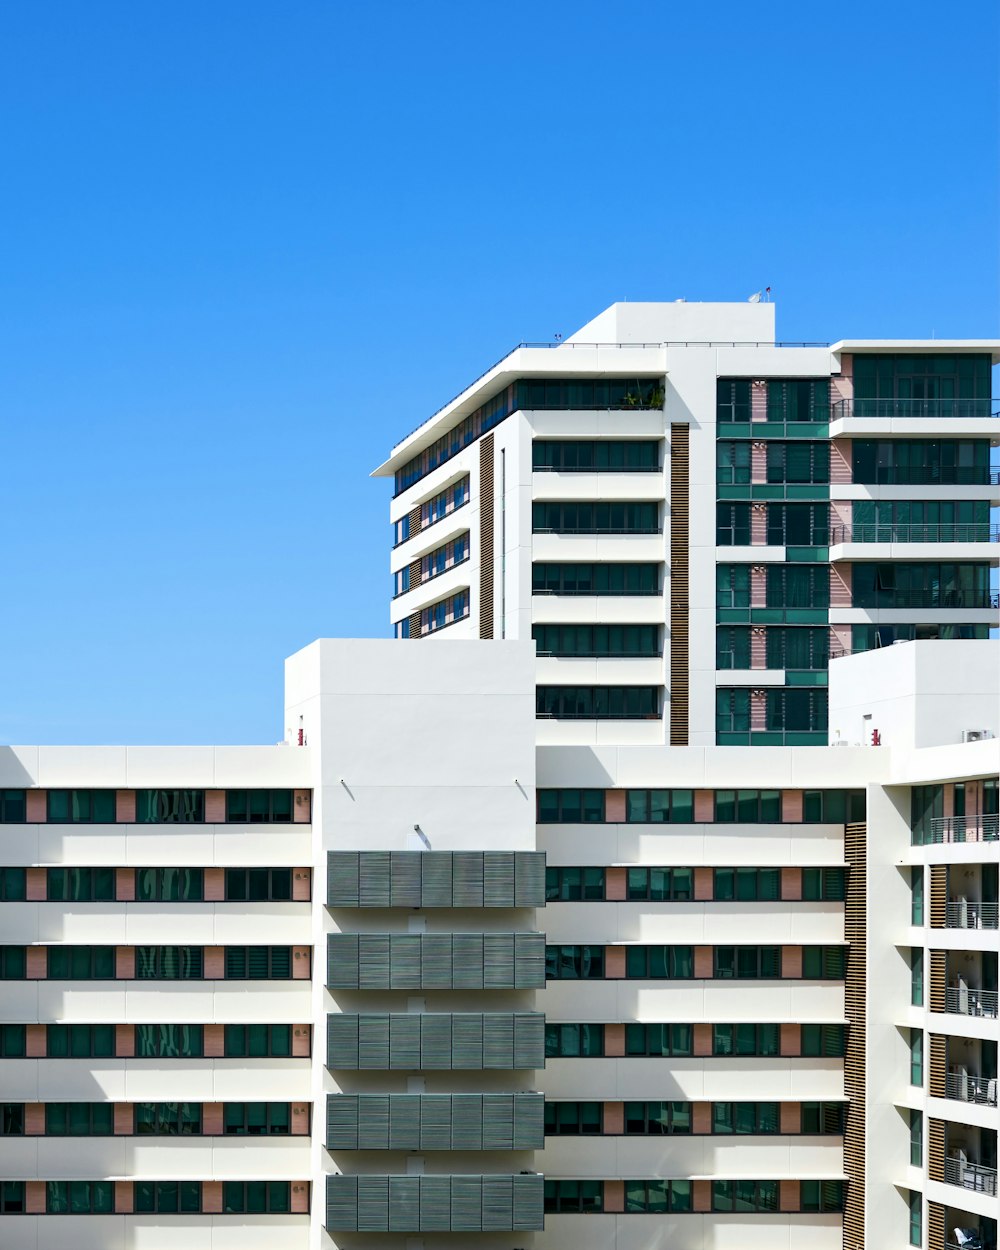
point(691, 518)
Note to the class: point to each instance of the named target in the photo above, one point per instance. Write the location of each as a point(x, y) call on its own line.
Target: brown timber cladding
point(937, 980)
point(935, 1226)
point(939, 1052)
point(935, 1149)
point(679, 536)
point(486, 537)
point(855, 852)
point(939, 895)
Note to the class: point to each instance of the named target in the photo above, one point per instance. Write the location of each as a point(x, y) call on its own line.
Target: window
point(595, 579)
point(574, 1041)
point(169, 963)
point(573, 884)
point(917, 896)
point(81, 963)
point(13, 963)
point(926, 807)
point(798, 399)
point(732, 710)
point(823, 1041)
point(796, 711)
point(732, 463)
point(916, 1138)
point(258, 963)
point(657, 1119)
point(747, 962)
point(169, 885)
point(570, 807)
point(79, 1197)
point(11, 1119)
point(798, 586)
point(258, 1041)
point(732, 400)
point(80, 885)
point(660, 884)
point(256, 885)
point(255, 1197)
point(168, 1197)
point(597, 640)
point(732, 585)
point(746, 1117)
point(170, 806)
point(824, 884)
point(746, 1039)
point(732, 524)
point(659, 806)
point(595, 455)
point(595, 517)
point(916, 1203)
point(824, 963)
point(13, 885)
point(259, 807)
point(744, 1195)
point(798, 524)
point(799, 649)
point(169, 1041)
point(921, 462)
point(598, 702)
point(581, 1197)
point(589, 393)
point(655, 1040)
point(917, 976)
point(81, 806)
point(921, 585)
point(79, 1119)
point(834, 807)
point(748, 806)
point(732, 647)
point(821, 1196)
point(657, 1196)
point(747, 884)
point(257, 1119)
point(916, 1057)
point(823, 1118)
point(659, 962)
point(802, 461)
point(80, 1041)
point(13, 807)
point(444, 613)
point(922, 385)
point(12, 1041)
point(564, 963)
point(919, 520)
point(11, 1197)
point(168, 1119)
point(573, 1119)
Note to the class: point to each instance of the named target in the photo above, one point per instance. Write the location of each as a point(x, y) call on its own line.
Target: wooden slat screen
point(855, 853)
point(939, 895)
point(486, 508)
point(938, 963)
point(679, 588)
point(939, 1062)
point(935, 1149)
point(935, 1226)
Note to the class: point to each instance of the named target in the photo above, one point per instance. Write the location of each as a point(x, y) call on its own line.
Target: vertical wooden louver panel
point(855, 854)
point(938, 964)
point(935, 1149)
point(679, 593)
point(935, 1226)
point(939, 1061)
point(486, 508)
point(939, 895)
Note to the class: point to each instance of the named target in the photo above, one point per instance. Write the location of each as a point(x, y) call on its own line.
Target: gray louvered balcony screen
point(424, 1204)
point(470, 1041)
point(436, 879)
point(436, 961)
point(435, 1121)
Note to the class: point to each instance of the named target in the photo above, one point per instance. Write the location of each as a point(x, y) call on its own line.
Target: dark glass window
point(564, 963)
point(539, 394)
point(570, 807)
point(169, 963)
point(746, 1039)
point(660, 884)
point(747, 807)
point(732, 400)
point(573, 1119)
point(444, 613)
point(80, 1041)
point(81, 963)
point(13, 963)
point(574, 1041)
point(595, 455)
point(747, 884)
point(79, 1119)
point(168, 1119)
point(657, 1119)
point(13, 807)
point(824, 1117)
point(81, 806)
point(12, 1041)
point(732, 647)
point(11, 1197)
point(256, 885)
point(732, 710)
point(798, 524)
point(732, 463)
point(169, 1041)
point(79, 1197)
point(581, 1197)
point(798, 462)
point(11, 1119)
point(821, 1196)
point(796, 711)
point(824, 963)
point(659, 962)
point(823, 1040)
point(922, 385)
point(170, 806)
point(921, 462)
point(169, 885)
point(732, 524)
point(926, 807)
point(824, 884)
point(167, 1197)
point(749, 1118)
point(732, 585)
point(598, 702)
point(916, 1057)
point(257, 1119)
point(256, 963)
point(655, 1197)
point(659, 806)
point(595, 579)
point(745, 1196)
point(597, 640)
point(918, 585)
point(259, 807)
point(836, 807)
point(574, 884)
point(13, 885)
point(798, 586)
point(258, 1041)
point(747, 962)
point(255, 1197)
point(655, 1040)
point(594, 517)
point(80, 885)
point(798, 399)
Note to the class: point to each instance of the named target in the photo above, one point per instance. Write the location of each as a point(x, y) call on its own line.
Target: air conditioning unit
point(976, 735)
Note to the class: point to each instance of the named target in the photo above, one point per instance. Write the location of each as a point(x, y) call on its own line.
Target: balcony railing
point(966, 1088)
point(970, 1176)
point(926, 601)
point(964, 1001)
point(934, 409)
point(956, 532)
point(971, 914)
point(929, 475)
point(982, 828)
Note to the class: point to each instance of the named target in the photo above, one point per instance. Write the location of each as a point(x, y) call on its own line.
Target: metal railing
point(965, 828)
point(935, 409)
point(562, 529)
point(965, 1001)
point(929, 475)
point(970, 1176)
point(964, 1087)
point(916, 532)
point(971, 914)
point(975, 599)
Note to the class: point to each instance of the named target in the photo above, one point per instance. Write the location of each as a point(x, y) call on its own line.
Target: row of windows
point(867, 637)
point(927, 806)
point(787, 710)
point(787, 399)
point(786, 524)
point(433, 510)
point(160, 963)
point(798, 648)
point(802, 461)
point(921, 461)
point(588, 962)
point(572, 806)
point(152, 806)
point(591, 517)
point(575, 1041)
point(167, 1119)
point(485, 418)
point(595, 579)
point(597, 640)
point(932, 376)
point(657, 1197)
point(573, 884)
point(918, 520)
point(786, 585)
point(152, 885)
point(164, 1197)
point(903, 584)
point(596, 455)
point(659, 1119)
point(433, 565)
point(150, 1041)
point(598, 702)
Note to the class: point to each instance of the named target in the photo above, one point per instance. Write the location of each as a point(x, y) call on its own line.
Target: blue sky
point(246, 246)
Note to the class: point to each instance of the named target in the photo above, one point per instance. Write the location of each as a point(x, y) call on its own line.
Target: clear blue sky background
point(245, 246)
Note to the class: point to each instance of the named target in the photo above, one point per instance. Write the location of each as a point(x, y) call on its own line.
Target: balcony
point(970, 914)
point(970, 1157)
point(968, 1000)
point(920, 409)
point(954, 532)
point(964, 1231)
point(963, 1086)
point(975, 828)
